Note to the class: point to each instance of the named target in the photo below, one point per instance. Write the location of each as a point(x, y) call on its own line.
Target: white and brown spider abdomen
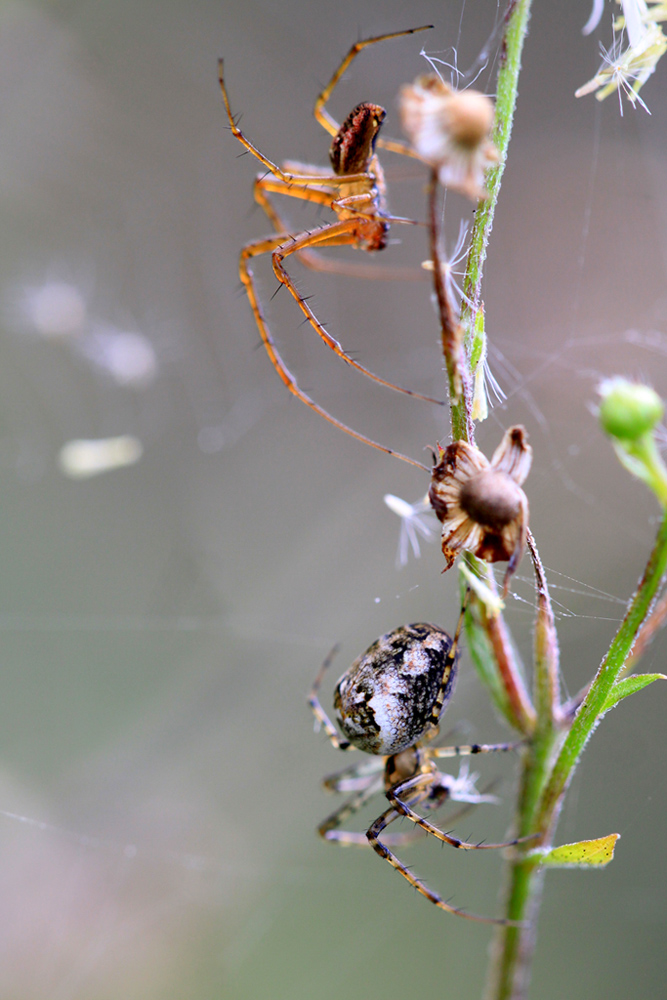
point(354, 143)
point(384, 702)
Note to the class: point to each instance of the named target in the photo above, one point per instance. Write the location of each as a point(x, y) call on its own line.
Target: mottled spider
point(354, 189)
point(389, 704)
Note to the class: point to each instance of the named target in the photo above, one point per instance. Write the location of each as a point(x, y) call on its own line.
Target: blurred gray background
point(161, 624)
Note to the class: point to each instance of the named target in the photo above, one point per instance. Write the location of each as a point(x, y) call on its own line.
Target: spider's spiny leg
point(355, 777)
point(470, 749)
point(402, 807)
point(337, 234)
point(398, 146)
point(323, 117)
point(321, 716)
point(247, 277)
point(270, 166)
point(352, 838)
point(319, 194)
point(314, 260)
point(449, 665)
point(328, 828)
point(382, 849)
point(464, 809)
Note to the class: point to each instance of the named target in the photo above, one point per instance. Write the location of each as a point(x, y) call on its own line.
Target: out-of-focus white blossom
point(55, 309)
point(658, 11)
point(413, 523)
point(594, 19)
point(85, 458)
point(128, 357)
point(626, 68)
point(450, 129)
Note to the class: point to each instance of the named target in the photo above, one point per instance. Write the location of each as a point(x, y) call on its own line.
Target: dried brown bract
point(450, 129)
point(480, 502)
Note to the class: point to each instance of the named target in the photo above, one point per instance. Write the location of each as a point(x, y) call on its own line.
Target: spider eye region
point(384, 702)
point(353, 145)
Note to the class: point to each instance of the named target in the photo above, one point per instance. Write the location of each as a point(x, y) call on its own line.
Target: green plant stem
point(516, 28)
point(588, 715)
point(548, 765)
point(509, 974)
point(552, 752)
point(642, 458)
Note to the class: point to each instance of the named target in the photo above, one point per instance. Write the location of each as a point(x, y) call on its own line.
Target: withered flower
point(480, 502)
point(450, 129)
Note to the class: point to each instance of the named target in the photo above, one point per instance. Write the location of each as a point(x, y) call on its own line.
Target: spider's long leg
point(402, 807)
point(469, 749)
point(272, 167)
point(380, 846)
point(328, 829)
point(398, 146)
point(314, 260)
point(320, 715)
point(449, 669)
point(247, 278)
point(356, 777)
point(323, 117)
point(319, 194)
point(337, 234)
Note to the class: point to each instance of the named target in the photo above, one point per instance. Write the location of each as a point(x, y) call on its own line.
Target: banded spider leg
point(389, 704)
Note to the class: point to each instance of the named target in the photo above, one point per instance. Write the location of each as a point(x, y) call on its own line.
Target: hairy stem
point(589, 714)
point(516, 28)
point(514, 944)
point(456, 361)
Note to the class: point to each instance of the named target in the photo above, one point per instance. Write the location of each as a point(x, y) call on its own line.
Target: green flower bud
point(628, 410)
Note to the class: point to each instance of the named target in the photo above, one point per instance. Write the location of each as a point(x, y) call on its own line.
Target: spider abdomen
point(384, 702)
point(354, 143)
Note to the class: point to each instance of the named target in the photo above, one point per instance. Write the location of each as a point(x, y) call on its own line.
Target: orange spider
point(355, 192)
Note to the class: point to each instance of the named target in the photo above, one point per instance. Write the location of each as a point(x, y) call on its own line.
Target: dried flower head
point(480, 503)
point(450, 129)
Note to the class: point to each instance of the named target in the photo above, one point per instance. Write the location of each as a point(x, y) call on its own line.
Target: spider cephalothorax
point(388, 704)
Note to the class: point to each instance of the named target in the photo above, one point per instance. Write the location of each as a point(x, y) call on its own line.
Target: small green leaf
point(480, 404)
point(478, 350)
point(585, 854)
point(492, 602)
point(628, 686)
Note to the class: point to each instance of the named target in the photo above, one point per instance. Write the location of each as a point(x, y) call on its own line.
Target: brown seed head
point(450, 129)
point(480, 503)
point(491, 499)
point(469, 117)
